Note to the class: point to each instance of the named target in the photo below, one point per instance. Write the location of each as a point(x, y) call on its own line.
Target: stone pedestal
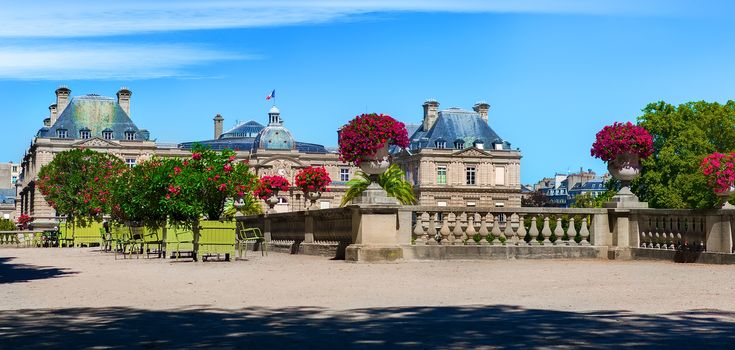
point(374, 195)
point(375, 234)
point(626, 199)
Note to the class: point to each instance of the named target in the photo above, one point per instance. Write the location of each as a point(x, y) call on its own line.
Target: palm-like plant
point(391, 181)
point(252, 206)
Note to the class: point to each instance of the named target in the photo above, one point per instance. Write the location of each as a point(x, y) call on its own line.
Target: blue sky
point(554, 72)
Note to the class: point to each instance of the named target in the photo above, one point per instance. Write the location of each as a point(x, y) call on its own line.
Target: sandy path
point(88, 278)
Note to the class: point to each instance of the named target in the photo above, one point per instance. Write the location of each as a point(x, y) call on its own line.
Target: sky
point(554, 72)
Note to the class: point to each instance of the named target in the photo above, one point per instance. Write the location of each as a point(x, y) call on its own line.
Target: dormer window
point(479, 144)
point(61, 133)
point(440, 144)
point(130, 135)
point(85, 134)
point(107, 134)
point(459, 144)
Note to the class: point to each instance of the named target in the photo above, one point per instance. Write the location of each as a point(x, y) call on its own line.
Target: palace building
point(455, 158)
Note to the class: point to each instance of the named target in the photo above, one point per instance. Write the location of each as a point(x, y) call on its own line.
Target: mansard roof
point(457, 124)
point(96, 113)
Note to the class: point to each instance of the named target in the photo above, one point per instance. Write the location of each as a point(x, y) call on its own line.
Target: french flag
point(272, 95)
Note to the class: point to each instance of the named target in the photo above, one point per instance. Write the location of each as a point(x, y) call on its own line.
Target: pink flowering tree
point(201, 184)
point(77, 184)
point(620, 138)
point(364, 135)
point(719, 169)
point(313, 179)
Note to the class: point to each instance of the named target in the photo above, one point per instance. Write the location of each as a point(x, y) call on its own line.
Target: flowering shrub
point(77, 184)
point(200, 185)
point(23, 220)
point(269, 184)
point(313, 179)
point(719, 169)
point(367, 133)
point(620, 138)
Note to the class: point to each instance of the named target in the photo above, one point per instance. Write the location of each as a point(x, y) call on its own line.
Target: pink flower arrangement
point(313, 179)
point(719, 169)
point(23, 220)
point(367, 133)
point(269, 184)
point(619, 138)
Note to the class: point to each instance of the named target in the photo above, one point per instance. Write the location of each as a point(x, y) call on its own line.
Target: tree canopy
point(682, 136)
point(77, 184)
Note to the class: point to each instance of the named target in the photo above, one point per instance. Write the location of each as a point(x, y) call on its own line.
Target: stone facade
point(271, 150)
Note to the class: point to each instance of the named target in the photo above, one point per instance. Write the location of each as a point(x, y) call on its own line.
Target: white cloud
point(43, 18)
point(103, 61)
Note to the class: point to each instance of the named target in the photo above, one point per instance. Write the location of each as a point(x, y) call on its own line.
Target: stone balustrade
point(503, 226)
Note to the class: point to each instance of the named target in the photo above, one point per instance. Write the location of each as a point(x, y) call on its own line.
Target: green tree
point(77, 184)
point(586, 200)
point(682, 136)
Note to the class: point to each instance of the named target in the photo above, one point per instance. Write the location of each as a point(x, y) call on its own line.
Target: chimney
point(123, 99)
point(218, 126)
point(431, 112)
point(482, 108)
point(52, 114)
point(62, 99)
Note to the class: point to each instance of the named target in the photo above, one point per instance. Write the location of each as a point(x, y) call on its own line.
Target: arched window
point(85, 133)
point(107, 134)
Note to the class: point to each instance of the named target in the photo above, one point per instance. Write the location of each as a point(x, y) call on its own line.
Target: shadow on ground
point(477, 327)
point(13, 273)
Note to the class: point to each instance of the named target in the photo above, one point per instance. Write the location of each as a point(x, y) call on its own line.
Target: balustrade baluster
point(571, 232)
point(483, 228)
point(418, 230)
point(657, 240)
point(534, 231)
point(559, 232)
point(496, 230)
point(445, 232)
point(510, 236)
point(546, 231)
point(585, 233)
point(470, 230)
point(457, 232)
point(521, 230)
point(431, 229)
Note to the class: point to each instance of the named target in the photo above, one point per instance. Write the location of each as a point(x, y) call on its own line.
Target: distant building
point(456, 159)
point(563, 188)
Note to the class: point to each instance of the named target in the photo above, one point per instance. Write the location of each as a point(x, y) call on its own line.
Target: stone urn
point(725, 196)
point(272, 201)
point(312, 197)
point(377, 163)
point(625, 168)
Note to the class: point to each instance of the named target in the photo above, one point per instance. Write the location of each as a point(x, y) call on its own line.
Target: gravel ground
point(314, 302)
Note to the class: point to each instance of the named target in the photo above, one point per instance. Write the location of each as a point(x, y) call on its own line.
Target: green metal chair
point(106, 240)
point(216, 238)
point(122, 239)
point(152, 238)
point(88, 235)
point(246, 235)
point(65, 235)
point(179, 240)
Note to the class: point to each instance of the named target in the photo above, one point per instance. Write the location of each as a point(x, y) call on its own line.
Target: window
point(107, 134)
point(459, 144)
point(15, 168)
point(84, 134)
point(471, 172)
point(441, 175)
point(61, 133)
point(14, 179)
point(471, 204)
point(440, 144)
point(499, 176)
point(344, 174)
point(499, 146)
point(130, 135)
point(130, 162)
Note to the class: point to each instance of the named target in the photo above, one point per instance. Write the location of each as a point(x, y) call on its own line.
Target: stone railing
point(504, 226)
point(669, 229)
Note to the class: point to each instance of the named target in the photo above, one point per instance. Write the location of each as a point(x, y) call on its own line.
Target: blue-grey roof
point(457, 124)
point(247, 129)
point(96, 113)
